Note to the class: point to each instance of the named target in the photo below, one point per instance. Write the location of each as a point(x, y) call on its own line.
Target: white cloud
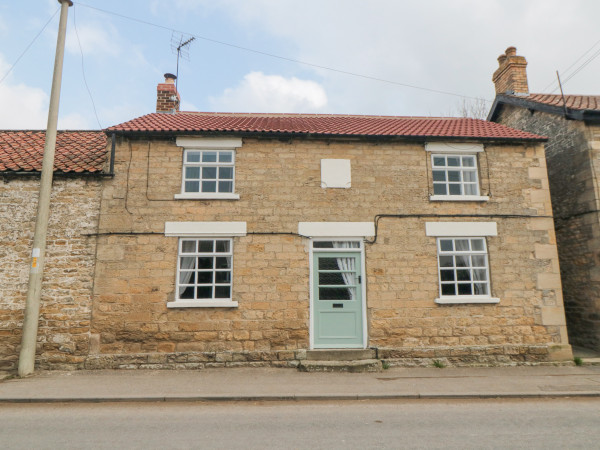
point(258, 92)
point(94, 39)
point(23, 107)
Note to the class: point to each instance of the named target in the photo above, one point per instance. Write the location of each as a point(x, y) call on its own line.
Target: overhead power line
point(284, 58)
point(29, 45)
point(576, 70)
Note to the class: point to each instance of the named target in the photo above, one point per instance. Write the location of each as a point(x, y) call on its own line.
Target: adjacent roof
point(76, 151)
point(579, 107)
point(321, 125)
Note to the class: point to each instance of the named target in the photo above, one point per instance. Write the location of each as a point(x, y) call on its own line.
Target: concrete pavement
point(268, 384)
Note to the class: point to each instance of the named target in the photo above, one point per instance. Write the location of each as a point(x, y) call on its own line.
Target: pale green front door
point(337, 300)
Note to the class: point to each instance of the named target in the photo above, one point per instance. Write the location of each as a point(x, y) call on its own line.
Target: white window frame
point(215, 231)
point(458, 150)
point(462, 230)
point(204, 144)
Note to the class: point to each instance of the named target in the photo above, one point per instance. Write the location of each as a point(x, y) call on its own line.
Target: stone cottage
point(229, 239)
point(80, 164)
point(572, 124)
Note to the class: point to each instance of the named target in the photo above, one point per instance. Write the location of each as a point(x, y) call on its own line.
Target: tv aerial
point(180, 44)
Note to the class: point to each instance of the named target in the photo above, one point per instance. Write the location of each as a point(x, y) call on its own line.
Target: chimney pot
point(511, 75)
point(167, 97)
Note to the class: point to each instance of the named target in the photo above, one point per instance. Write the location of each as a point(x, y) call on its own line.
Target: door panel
point(337, 300)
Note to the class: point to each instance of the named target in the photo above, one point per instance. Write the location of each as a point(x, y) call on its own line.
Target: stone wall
point(63, 336)
point(573, 157)
point(279, 185)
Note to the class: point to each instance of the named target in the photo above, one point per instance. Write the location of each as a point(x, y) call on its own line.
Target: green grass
point(578, 361)
point(438, 363)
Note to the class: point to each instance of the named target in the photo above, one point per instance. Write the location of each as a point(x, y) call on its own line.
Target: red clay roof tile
point(321, 124)
point(76, 151)
point(582, 102)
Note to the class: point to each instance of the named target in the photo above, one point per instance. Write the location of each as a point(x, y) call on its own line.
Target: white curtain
point(185, 263)
point(349, 264)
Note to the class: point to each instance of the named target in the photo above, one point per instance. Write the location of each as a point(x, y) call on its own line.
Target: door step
point(347, 360)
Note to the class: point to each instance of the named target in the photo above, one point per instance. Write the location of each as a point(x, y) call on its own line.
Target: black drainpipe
point(111, 170)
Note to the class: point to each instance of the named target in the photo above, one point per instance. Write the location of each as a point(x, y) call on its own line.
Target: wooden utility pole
point(36, 269)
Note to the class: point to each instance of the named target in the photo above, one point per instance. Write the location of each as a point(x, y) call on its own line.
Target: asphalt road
point(448, 424)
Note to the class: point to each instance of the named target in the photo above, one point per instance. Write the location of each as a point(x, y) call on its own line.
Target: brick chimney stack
point(511, 75)
point(167, 97)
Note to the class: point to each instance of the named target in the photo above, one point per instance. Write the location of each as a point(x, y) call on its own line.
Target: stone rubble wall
point(66, 304)
point(573, 158)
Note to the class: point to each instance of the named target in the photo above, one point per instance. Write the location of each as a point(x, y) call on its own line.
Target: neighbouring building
point(66, 304)
point(572, 125)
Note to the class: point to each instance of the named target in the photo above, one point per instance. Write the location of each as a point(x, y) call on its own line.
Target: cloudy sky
point(390, 57)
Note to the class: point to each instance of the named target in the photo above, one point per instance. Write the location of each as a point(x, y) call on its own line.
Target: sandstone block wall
point(573, 157)
point(279, 185)
point(63, 337)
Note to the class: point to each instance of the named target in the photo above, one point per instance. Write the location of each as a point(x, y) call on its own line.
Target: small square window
point(208, 171)
point(455, 175)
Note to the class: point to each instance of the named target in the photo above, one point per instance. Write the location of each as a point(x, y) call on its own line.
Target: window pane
point(226, 173)
point(477, 244)
point(463, 275)
point(446, 245)
point(453, 161)
point(204, 292)
point(439, 175)
point(446, 261)
point(478, 260)
point(225, 157)
point(205, 263)
point(193, 156)
point(471, 189)
point(225, 186)
point(223, 246)
point(480, 289)
point(205, 246)
point(462, 245)
point(469, 176)
point(468, 161)
point(186, 292)
point(462, 261)
point(192, 172)
point(328, 264)
point(465, 289)
point(439, 161)
point(205, 277)
point(187, 262)
point(453, 175)
point(223, 262)
point(187, 278)
point(454, 189)
point(326, 278)
point(334, 293)
point(222, 291)
point(223, 277)
point(192, 186)
point(209, 186)
point(479, 275)
point(448, 289)
point(439, 189)
point(209, 173)
point(188, 246)
point(209, 157)
point(447, 275)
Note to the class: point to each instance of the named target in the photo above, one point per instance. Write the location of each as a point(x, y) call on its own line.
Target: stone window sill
point(459, 198)
point(200, 196)
point(463, 299)
point(202, 304)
